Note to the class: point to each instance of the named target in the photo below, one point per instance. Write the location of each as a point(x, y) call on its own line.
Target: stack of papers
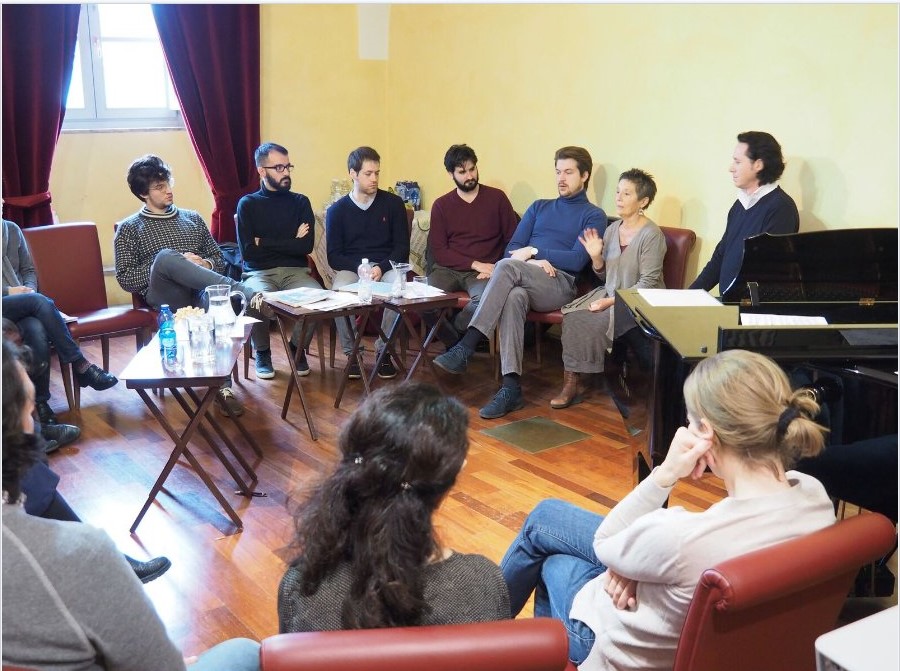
point(383, 290)
point(311, 298)
point(679, 298)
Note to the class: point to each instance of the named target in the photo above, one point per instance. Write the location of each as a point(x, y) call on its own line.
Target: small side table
point(145, 371)
point(404, 307)
point(869, 644)
point(287, 316)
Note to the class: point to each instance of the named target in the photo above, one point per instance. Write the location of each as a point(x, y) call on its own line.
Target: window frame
point(96, 115)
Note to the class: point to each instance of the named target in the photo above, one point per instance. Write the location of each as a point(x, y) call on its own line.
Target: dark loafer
point(63, 434)
point(45, 413)
point(149, 570)
point(96, 378)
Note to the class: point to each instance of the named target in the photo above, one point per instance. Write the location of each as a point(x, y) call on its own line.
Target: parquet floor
point(223, 584)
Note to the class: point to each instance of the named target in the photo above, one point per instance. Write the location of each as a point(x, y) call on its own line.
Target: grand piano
point(848, 277)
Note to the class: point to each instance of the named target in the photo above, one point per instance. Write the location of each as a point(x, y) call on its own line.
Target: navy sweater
point(380, 233)
point(274, 217)
point(775, 212)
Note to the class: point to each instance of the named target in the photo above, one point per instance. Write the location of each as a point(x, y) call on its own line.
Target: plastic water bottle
point(365, 281)
point(168, 342)
point(165, 316)
point(170, 346)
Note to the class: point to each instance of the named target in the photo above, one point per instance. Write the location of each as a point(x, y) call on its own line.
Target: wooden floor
point(223, 584)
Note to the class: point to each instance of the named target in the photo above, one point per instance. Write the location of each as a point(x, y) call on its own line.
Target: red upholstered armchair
point(507, 645)
point(70, 271)
point(765, 609)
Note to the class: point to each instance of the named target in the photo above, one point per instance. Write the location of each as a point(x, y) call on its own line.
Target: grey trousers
point(178, 282)
point(585, 339)
point(343, 278)
point(277, 279)
point(449, 280)
point(515, 288)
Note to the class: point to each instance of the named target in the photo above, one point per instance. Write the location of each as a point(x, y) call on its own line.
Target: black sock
point(81, 365)
point(471, 339)
point(511, 381)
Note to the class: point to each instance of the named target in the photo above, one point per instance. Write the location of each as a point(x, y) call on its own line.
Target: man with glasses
point(166, 254)
point(276, 230)
point(366, 223)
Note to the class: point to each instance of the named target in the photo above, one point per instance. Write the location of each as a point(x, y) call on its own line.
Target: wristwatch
point(534, 251)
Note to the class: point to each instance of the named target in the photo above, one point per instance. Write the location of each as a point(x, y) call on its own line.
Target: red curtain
point(38, 54)
point(213, 57)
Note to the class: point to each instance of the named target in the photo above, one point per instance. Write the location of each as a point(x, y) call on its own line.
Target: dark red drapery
point(38, 54)
point(213, 57)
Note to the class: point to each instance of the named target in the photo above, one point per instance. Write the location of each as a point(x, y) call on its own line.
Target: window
point(120, 78)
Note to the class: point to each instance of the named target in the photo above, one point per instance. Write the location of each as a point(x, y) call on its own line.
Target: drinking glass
point(203, 344)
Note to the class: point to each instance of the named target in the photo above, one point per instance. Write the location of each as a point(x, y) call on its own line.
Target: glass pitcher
point(220, 309)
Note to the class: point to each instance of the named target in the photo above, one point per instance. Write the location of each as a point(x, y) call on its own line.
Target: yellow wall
point(661, 87)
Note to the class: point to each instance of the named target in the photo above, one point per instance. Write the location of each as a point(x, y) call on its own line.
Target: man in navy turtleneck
point(276, 230)
point(543, 259)
point(761, 207)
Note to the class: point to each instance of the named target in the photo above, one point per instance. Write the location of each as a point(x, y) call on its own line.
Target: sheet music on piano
point(755, 319)
point(679, 298)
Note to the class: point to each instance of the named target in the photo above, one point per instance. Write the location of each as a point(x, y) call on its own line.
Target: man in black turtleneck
point(167, 254)
point(276, 230)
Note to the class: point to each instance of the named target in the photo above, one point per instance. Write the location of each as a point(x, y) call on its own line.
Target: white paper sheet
point(679, 298)
point(781, 320)
point(383, 290)
point(237, 330)
point(336, 301)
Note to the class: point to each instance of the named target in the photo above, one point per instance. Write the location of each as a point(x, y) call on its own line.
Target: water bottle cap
point(365, 260)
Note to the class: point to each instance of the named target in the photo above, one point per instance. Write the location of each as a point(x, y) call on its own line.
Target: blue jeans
point(553, 556)
point(235, 654)
point(41, 325)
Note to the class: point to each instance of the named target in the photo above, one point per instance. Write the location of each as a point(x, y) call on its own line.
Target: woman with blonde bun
point(622, 583)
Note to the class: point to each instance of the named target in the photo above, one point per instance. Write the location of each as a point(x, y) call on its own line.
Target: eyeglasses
point(162, 187)
point(279, 167)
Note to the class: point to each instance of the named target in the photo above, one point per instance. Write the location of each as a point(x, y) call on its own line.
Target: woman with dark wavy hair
point(369, 556)
point(70, 600)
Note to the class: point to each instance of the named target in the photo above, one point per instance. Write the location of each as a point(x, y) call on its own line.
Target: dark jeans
point(41, 498)
point(863, 473)
point(41, 325)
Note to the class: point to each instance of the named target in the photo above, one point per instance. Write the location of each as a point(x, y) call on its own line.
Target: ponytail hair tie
point(789, 415)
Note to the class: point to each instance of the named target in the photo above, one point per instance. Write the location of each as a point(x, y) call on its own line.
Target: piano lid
point(818, 266)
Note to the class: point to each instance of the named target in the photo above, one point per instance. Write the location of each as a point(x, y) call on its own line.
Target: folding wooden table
point(194, 387)
point(287, 316)
point(405, 307)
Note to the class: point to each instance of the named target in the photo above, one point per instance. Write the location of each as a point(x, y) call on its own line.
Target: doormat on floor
point(535, 434)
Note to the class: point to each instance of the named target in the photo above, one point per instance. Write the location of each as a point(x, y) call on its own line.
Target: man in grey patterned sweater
point(166, 254)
